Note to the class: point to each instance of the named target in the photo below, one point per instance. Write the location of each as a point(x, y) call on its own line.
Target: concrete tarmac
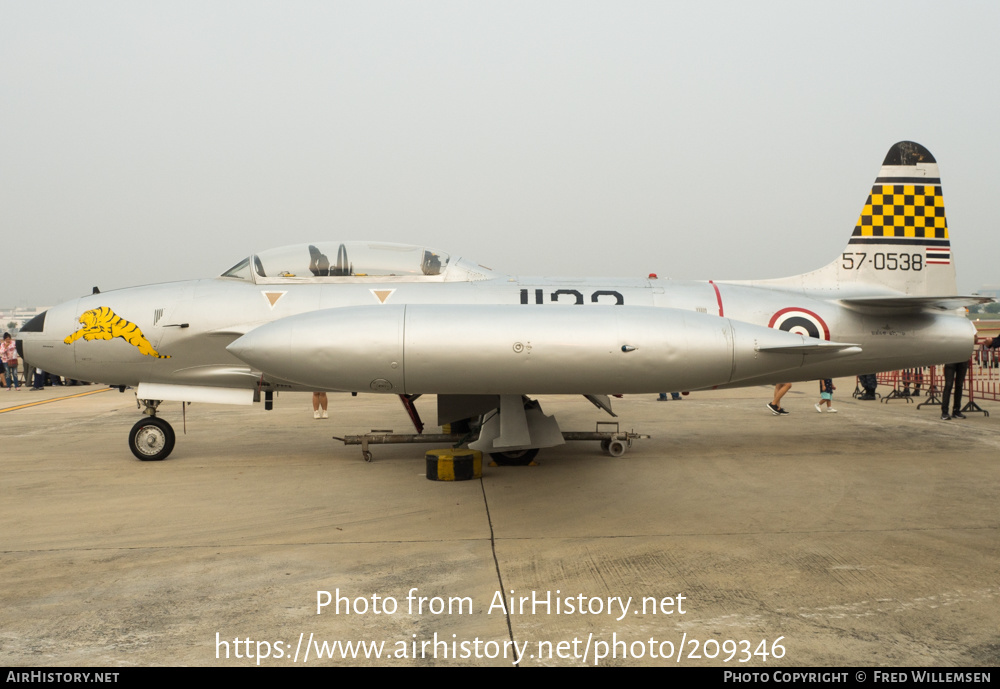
point(731, 538)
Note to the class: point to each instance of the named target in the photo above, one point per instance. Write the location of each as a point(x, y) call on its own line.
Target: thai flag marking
point(938, 255)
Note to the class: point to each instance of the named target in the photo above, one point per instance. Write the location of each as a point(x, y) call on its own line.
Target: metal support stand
point(973, 407)
point(932, 397)
point(614, 441)
point(896, 395)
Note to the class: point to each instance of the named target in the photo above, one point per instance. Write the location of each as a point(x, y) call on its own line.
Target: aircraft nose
point(36, 324)
point(40, 341)
point(32, 330)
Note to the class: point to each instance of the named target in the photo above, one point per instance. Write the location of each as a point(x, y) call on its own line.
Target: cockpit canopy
point(327, 261)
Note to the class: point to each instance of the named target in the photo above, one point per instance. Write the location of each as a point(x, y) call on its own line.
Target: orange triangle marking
point(273, 297)
point(382, 294)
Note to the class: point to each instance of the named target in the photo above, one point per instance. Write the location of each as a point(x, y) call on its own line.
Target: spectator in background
point(8, 354)
point(869, 381)
point(954, 375)
point(826, 388)
point(319, 400)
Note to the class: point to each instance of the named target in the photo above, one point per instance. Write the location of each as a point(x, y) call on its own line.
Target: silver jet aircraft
point(408, 320)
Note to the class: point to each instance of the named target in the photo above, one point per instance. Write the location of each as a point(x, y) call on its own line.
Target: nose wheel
point(151, 439)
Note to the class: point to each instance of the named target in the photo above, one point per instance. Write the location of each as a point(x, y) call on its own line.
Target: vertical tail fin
point(900, 242)
point(901, 237)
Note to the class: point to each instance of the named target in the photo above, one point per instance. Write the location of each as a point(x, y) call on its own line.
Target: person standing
point(868, 381)
point(8, 354)
point(954, 374)
point(319, 400)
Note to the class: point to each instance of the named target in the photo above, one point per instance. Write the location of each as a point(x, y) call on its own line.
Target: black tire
point(514, 458)
point(151, 439)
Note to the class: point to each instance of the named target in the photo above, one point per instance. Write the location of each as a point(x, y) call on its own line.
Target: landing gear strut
point(151, 439)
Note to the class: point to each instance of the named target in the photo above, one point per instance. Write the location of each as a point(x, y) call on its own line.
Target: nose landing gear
point(151, 439)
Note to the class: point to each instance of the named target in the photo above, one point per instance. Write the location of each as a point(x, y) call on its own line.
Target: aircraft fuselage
point(502, 334)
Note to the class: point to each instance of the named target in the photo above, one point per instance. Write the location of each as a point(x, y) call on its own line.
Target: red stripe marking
point(718, 296)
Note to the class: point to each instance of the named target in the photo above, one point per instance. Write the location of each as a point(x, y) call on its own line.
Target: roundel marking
point(800, 322)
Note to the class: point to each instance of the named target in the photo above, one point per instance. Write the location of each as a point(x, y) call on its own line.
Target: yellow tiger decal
point(103, 324)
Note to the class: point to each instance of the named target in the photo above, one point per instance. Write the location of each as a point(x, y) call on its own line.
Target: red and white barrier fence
point(982, 382)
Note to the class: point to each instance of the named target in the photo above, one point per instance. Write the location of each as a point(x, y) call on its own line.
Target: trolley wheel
point(605, 444)
point(616, 448)
point(151, 439)
point(367, 455)
point(514, 458)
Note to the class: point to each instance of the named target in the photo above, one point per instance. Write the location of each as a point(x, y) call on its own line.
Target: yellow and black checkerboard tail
point(905, 207)
point(900, 241)
point(901, 237)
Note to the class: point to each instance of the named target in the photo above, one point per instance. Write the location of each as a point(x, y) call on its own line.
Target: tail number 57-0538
point(880, 261)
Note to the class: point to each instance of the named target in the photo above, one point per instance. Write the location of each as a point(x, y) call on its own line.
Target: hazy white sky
point(152, 141)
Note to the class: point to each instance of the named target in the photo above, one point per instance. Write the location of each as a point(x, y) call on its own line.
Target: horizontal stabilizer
point(916, 303)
